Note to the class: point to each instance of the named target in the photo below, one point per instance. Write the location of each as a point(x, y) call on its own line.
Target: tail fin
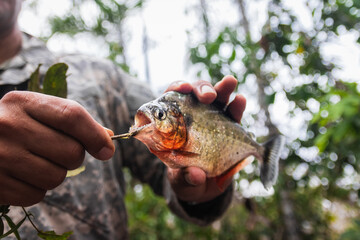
point(270, 165)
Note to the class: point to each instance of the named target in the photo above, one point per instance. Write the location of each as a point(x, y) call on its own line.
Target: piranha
point(183, 132)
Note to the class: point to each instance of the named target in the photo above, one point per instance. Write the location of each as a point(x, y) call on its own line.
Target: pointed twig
point(124, 135)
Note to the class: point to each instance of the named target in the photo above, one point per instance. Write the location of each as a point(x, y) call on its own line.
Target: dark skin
point(41, 138)
point(32, 126)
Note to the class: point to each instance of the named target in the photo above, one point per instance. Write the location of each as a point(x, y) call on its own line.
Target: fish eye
point(159, 114)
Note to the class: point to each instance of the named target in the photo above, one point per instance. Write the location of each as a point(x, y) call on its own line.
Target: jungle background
point(287, 56)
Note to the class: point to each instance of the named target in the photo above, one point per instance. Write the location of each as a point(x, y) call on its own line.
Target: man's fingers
point(68, 117)
point(109, 131)
point(237, 107)
point(191, 176)
point(204, 91)
point(180, 86)
point(31, 168)
point(48, 143)
point(189, 183)
point(194, 176)
point(224, 88)
point(220, 93)
point(16, 190)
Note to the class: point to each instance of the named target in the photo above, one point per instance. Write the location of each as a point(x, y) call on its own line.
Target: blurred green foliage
point(108, 25)
point(353, 232)
point(322, 167)
point(151, 219)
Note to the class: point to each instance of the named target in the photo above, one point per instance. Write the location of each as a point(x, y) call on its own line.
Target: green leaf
point(336, 111)
point(341, 131)
point(14, 228)
point(349, 235)
point(316, 118)
point(71, 173)
point(55, 80)
point(233, 55)
point(34, 83)
point(322, 140)
point(357, 223)
point(51, 235)
point(270, 99)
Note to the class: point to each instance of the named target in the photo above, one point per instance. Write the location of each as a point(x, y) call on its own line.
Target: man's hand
point(41, 137)
point(191, 184)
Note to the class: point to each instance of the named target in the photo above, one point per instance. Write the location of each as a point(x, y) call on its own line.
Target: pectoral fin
point(221, 180)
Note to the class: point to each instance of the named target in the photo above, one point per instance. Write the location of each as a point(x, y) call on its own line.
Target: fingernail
point(180, 86)
point(106, 153)
point(207, 89)
point(178, 83)
point(109, 131)
point(188, 179)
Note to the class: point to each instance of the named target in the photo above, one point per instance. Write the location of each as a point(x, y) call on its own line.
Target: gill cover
point(169, 124)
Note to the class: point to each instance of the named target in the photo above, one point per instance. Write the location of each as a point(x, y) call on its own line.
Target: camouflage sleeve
point(149, 169)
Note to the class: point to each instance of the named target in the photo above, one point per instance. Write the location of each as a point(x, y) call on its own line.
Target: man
point(41, 137)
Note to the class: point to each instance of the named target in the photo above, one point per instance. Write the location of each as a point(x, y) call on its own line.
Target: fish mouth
point(142, 121)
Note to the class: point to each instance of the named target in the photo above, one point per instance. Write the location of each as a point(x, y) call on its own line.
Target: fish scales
point(183, 132)
point(223, 142)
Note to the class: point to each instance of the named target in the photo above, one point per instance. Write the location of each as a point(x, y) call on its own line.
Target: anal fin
point(223, 178)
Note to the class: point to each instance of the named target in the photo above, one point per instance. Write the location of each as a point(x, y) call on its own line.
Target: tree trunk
point(145, 43)
point(287, 209)
point(204, 14)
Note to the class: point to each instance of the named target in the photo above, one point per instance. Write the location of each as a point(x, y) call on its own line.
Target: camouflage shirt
point(91, 204)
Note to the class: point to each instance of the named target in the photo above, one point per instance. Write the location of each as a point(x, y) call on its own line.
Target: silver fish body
point(183, 132)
